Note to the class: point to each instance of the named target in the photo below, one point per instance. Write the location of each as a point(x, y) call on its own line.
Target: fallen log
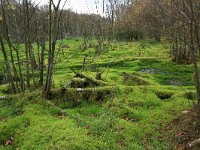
point(79, 94)
point(131, 79)
point(94, 81)
point(4, 97)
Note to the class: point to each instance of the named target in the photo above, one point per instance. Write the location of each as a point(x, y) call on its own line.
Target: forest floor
point(185, 130)
point(148, 92)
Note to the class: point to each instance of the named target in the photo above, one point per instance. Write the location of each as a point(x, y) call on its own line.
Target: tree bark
point(6, 36)
point(26, 46)
point(42, 64)
point(49, 71)
point(193, 52)
point(9, 74)
point(53, 32)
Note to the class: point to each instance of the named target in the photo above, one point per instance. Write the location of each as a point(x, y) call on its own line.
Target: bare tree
point(54, 20)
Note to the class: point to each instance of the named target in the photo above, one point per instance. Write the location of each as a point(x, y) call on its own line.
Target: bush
point(129, 34)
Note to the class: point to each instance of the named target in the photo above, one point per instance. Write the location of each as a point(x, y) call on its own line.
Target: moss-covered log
point(4, 97)
point(75, 95)
point(130, 79)
point(78, 83)
point(89, 79)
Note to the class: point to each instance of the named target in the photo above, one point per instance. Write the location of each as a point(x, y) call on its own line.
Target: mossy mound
point(82, 88)
point(132, 80)
point(163, 95)
point(79, 82)
point(5, 89)
point(190, 95)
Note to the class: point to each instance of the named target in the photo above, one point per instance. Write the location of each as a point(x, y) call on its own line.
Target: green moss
point(4, 89)
point(41, 128)
point(129, 118)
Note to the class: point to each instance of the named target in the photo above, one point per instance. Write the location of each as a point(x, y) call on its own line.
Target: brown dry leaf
point(179, 134)
point(8, 142)
point(181, 147)
point(121, 143)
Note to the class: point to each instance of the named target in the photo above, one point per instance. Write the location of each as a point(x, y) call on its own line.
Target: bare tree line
point(25, 24)
point(22, 25)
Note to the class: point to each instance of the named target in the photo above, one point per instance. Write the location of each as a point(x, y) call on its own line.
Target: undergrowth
point(154, 92)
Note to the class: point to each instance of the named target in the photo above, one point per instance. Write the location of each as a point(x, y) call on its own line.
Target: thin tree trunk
point(49, 74)
point(20, 77)
point(20, 71)
point(6, 35)
point(19, 65)
point(53, 32)
point(26, 46)
point(196, 28)
point(42, 64)
point(196, 72)
point(16, 78)
point(38, 54)
point(32, 65)
point(9, 74)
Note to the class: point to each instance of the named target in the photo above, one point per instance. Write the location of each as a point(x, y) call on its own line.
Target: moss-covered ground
point(150, 92)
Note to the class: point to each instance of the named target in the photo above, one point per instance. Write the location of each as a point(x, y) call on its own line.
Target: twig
point(193, 143)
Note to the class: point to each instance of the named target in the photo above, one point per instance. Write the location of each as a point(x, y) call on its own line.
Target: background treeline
point(28, 36)
point(177, 21)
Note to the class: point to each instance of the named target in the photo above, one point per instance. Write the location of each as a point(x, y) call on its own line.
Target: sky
point(79, 6)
